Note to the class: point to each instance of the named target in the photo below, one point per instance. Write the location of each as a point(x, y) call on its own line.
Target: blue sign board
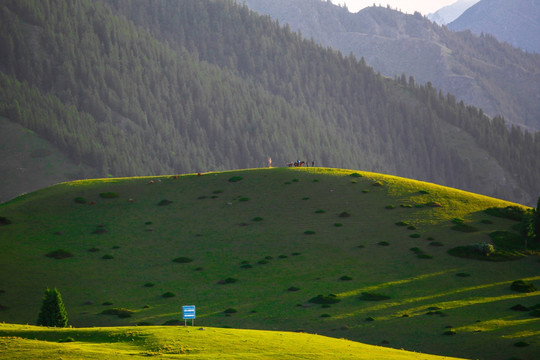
point(188, 312)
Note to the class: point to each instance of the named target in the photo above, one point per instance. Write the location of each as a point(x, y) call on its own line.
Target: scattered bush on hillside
point(434, 204)
point(471, 252)
point(369, 319)
point(246, 266)
point(338, 225)
point(424, 192)
point(449, 332)
point(406, 205)
point(519, 307)
point(4, 221)
point(464, 228)
point(402, 223)
point(59, 254)
point(257, 218)
point(295, 180)
point(296, 254)
point(107, 257)
point(80, 200)
point(99, 231)
point(325, 299)
point(390, 207)
point(325, 315)
point(164, 202)
point(458, 221)
point(107, 303)
point(424, 256)
point(229, 280)
point(168, 294)
point(217, 192)
point(383, 243)
point(436, 243)
point(377, 184)
point(462, 274)
point(523, 286)
point(367, 296)
point(415, 236)
point(145, 323)
point(411, 227)
point(66, 339)
point(182, 260)
point(344, 214)
point(356, 175)
point(510, 212)
point(365, 191)
point(108, 195)
point(309, 232)
point(149, 284)
point(293, 288)
point(483, 248)
point(93, 250)
point(319, 211)
point(262, 262)
point(202, 197)
point(120, 312)
point(282, 257)
point(235, 179)
point(230, 311)
point(345, 278)
point(244, 199)
point(521, 344)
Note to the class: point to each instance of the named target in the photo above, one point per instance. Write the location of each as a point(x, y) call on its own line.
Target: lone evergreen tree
point(53, 311)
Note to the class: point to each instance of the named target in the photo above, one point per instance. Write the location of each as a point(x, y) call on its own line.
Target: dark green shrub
point(100, 231)
point(66, 339)
point(235, 179)
point(107, 303)
point(164, 202)
point(464, 228)
point(424, 192)
point(145, 323)
point(120, 312)
point(108, 195)
point(356, 175)
point(268, 257)
point(411, 227)
point(182, 260)
point(383, 243)
point(59, 254)
point(230, 311)
point(149, 284)
point(366, 296)
point(244, 199)
point(315, 180)
point(406, 205)
point(415, 250)
point(217, 192)
point(262, 262)
point(168, 294)
point(325, 315)
point(369, 319)
point(378, 183)
point(202, 197)
point(282, 256)
point(458, 221)
point(319, 211)
point(246, 266)
point(365, 191)
point(295, 180)
point(53, 312)
point(115, 247)
point(523, 287)
point(325, 299)
point(415, 236)
point(436, 243)
point(229, 280)
point(107, 257)
point(296, 254)
point(402, 223)
point(345, 278)
point(519, 307)
point(148, 223)
point(338, 225)
point(521, 344)
point(344, 214)
point(510, 212)
point(4, 221)
point(424, 256)
point(309, 232)
point(449, 332)
point(390, 207)
point(198, 269)
point(293, 288)
point(93, 250)
point(258, 218)
point(418, 206)
point(463, 274)
point(80, 200)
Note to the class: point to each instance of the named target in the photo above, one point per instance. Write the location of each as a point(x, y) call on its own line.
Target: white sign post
point(188, 312)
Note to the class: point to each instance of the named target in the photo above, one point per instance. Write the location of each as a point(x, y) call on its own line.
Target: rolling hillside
point(132, 88)
point(346, 254)
point(23, 342)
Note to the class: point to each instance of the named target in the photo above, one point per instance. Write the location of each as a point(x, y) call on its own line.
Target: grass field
point(24, 342)
point(264, 242)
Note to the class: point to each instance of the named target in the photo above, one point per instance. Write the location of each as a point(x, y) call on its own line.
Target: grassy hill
point(254, 249)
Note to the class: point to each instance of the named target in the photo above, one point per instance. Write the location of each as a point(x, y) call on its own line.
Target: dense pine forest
point(137, 87)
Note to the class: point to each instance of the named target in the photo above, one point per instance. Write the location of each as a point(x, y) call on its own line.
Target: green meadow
point(340, 253)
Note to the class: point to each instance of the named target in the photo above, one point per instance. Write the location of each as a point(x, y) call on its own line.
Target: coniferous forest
point(139, 87)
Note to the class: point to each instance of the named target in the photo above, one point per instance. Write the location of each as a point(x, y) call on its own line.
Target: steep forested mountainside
point(479, 70)
point(516, 22)
point(141, 87)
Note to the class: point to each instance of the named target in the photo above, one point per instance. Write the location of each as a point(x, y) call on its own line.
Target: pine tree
point(53, 311)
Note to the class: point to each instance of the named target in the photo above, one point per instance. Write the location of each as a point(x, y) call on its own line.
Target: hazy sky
point(408, 6)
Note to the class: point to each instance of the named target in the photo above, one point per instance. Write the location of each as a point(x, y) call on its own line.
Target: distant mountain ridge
point(479, 70)
point(516, 22)
point(451, 12)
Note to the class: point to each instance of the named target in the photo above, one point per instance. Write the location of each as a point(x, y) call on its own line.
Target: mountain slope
point(480, 71)
point(451, 12)
point(263, 243)
point(516, 22)
point(139, 88)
